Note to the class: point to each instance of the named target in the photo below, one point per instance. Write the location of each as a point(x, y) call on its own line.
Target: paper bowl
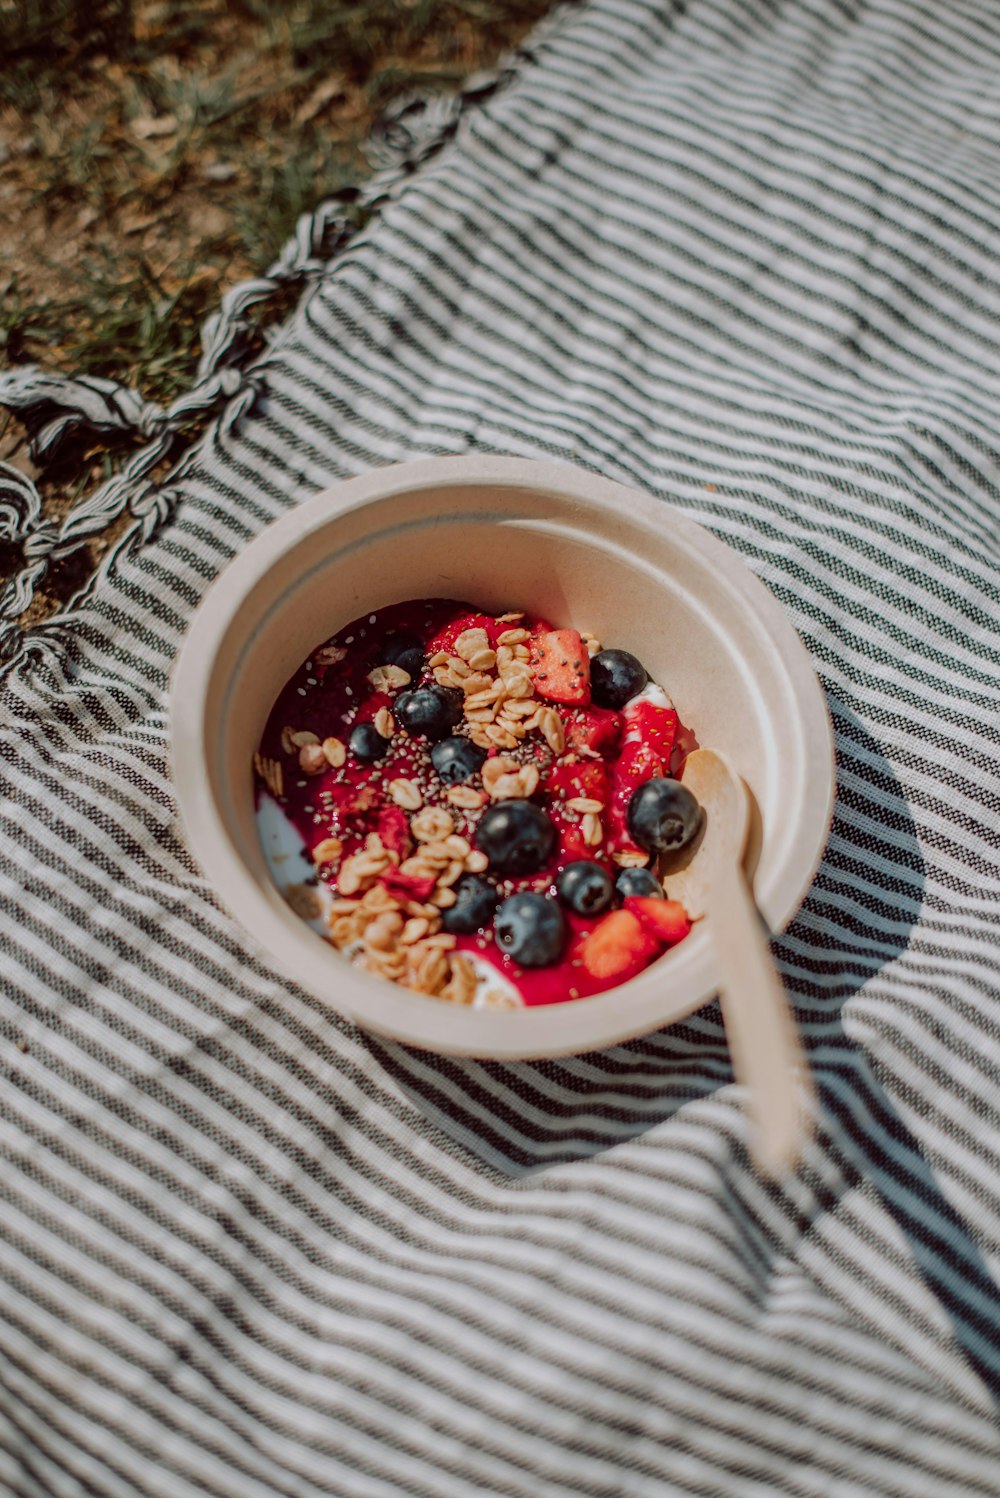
point(502, 533)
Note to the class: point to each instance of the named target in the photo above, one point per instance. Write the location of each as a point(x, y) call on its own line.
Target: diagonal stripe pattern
point(741, 255)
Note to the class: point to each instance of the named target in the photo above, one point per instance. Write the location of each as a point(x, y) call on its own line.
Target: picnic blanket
point(741, 254)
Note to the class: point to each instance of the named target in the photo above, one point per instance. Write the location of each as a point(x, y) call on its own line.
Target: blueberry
point(531, 929)
point(367, 743)
point(638, 882)
point(475, 901)
point(516, 837)
point(615, 676)
point(404, 651)
point(663, 816)
point(428, 712)
point(585, 887)
point(457, 759)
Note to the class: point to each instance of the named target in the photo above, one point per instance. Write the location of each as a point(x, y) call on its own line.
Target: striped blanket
point(741, 254)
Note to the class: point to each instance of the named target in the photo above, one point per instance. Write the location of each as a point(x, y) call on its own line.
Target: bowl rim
point(536, 1032)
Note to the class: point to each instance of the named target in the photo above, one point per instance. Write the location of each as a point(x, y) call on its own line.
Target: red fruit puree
point(387, 802)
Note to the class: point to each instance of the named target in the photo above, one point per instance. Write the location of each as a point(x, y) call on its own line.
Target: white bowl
point(503, 533)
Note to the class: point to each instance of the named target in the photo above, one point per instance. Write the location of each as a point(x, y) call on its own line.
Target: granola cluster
point(401, 938)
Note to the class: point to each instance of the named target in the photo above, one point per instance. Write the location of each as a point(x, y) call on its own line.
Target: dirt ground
point(155, 153)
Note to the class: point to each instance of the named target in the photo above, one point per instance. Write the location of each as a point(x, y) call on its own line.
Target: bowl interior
point(574, 549)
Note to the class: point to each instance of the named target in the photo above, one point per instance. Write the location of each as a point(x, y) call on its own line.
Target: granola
point(456, 786)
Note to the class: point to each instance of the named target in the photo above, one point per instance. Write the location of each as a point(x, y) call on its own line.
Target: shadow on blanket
point(526, 1116)
point(516, 1121)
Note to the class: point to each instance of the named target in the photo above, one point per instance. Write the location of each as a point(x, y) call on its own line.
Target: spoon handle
point(762, 1034)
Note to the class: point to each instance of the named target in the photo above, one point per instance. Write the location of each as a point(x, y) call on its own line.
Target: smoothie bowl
point(429, 733)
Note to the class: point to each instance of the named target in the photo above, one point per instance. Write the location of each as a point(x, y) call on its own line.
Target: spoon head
point(723, 797)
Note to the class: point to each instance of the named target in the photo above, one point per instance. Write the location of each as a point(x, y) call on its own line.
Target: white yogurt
point(650, 693)
point(288, 863)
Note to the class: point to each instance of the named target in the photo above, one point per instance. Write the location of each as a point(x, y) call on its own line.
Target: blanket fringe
point(55, 407)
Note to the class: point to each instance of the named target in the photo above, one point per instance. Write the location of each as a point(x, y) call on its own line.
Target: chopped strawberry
point(588, 777)
point(618, 947)
point(646, 747)
point(667, 920)
point(408, 886)
point(560, 666)
point(594, 728)
point(569, 831)
point(394, 830)
point(646, 723)
point(635, 765)
point(446, 637)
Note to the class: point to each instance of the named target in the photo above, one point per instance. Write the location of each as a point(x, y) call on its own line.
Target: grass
point(142, 327)
point(155, 152)
point(177, 142)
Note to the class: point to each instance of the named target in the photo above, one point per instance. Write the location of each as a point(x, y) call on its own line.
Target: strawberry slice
point(569, 832)
point(560, 666)
point(588, 777)
point(666, 920)
point(618, 947)
point(593, 728)
point(655, 727)
point(394, 830)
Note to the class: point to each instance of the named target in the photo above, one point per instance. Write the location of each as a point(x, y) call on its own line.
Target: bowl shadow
point(520, 1117)
point(511, 1121)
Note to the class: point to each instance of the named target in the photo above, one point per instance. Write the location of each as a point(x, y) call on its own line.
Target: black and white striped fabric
point(742, 254)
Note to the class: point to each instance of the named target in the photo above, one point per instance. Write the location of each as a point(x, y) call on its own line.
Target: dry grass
point(155, 152)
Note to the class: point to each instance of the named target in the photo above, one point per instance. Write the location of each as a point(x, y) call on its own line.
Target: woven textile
point(742, 255)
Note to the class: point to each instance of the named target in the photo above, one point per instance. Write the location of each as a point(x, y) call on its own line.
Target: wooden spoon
point(763, 1038)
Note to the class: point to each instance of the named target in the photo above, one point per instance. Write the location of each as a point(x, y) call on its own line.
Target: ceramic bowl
point(501, 533)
